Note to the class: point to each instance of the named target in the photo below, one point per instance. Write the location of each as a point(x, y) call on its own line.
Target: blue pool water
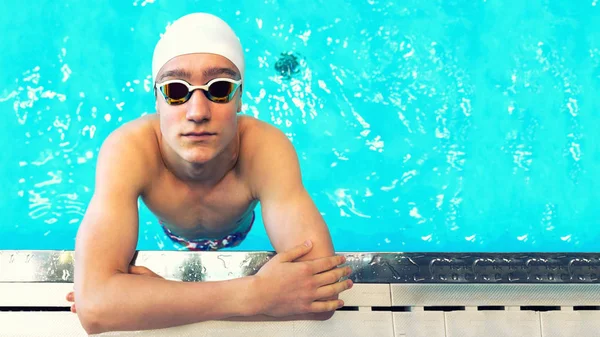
point(453, 125)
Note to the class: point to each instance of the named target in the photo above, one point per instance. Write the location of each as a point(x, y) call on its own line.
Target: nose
point(198, 107)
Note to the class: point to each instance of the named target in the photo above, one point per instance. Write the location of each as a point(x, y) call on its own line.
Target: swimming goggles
point(218, 90)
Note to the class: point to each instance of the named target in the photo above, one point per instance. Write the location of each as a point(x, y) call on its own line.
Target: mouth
point(198, 135)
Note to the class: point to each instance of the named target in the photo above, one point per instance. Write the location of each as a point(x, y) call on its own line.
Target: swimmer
point(201, 168)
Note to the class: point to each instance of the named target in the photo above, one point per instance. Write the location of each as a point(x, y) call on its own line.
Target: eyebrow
point(210, 72)
point(175, 73)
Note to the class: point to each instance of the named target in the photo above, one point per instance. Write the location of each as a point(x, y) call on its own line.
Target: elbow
point(90, 321)
point(92, 316)
point(91, 328)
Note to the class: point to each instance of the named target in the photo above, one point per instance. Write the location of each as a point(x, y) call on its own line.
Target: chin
point(198, 156)
point(198, 159)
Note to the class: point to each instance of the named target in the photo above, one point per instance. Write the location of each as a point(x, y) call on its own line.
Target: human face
point(199, 129)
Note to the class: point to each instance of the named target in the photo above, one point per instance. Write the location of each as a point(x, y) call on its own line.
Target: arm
point(289, 214)
point(108, 298)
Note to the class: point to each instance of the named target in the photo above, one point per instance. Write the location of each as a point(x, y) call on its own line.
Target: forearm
point(317, 316)
point(133, 302)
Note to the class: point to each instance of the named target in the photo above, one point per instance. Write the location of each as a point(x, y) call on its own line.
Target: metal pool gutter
point(414, 279)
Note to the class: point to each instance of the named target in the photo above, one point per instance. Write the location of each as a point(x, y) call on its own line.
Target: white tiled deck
point(419, 322)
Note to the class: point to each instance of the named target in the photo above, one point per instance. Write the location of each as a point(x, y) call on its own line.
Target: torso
point(199, 213)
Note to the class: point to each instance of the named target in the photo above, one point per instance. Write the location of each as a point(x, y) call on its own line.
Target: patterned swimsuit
point(230, 240)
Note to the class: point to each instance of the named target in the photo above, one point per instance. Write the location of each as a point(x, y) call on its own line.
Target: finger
point(140, 270)
point(326, 263)
point(296, 252)
point(73, 309)
point(70, 296)
point(332, 276)
point(333, 289)
point(324, 306)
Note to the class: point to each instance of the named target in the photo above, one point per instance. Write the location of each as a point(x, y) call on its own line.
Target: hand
point(136, 270)
point(288, 288)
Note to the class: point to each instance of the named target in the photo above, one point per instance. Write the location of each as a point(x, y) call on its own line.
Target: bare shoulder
point(262, 141)
point(257, 134)
point(265, 150)
point(132, 150)
point(137, 132)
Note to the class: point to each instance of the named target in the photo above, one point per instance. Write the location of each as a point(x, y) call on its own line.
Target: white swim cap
point(198, 33)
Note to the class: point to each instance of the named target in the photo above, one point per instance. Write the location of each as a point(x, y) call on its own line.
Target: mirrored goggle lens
point(175, 90)
point(221, 89)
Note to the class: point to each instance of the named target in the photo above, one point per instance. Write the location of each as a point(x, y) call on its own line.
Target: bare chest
point(199, 213)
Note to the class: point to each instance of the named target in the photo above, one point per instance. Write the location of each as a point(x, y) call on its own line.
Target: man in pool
point(201, 168)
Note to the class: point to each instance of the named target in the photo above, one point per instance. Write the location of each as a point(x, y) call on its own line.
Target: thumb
point(296, 252)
